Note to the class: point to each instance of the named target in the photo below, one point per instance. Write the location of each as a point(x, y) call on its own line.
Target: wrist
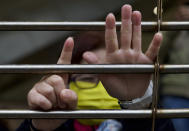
point(139, 103)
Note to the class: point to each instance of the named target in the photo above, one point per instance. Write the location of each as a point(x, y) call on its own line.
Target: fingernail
point(110, 21)
point(136, 18)
point(126, 12)
point(159, 36)
point(69, 42)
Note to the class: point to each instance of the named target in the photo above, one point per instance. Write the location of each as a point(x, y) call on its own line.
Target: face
point(90, 78)
point(91, 93)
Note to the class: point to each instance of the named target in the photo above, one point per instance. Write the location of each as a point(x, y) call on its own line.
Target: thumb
point(154, 47)
point(90, 58)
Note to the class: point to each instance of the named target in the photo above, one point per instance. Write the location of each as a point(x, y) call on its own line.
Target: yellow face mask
point(93, 98)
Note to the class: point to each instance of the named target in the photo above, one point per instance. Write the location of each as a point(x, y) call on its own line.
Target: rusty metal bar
point(156, 70)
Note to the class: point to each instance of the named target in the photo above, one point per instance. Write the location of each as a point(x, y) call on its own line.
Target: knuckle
point(30, 95)
point(31, 103)
point(55, 79)
point(48, 91)
point(44, 105)
point(40, 87)
point(37, 86)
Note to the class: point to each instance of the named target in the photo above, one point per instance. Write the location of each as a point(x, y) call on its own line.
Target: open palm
point(125, 86)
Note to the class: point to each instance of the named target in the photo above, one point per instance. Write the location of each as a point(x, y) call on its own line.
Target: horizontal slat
point(93, 69)
point(51, 69)
point(85, 26)
point(161, 113)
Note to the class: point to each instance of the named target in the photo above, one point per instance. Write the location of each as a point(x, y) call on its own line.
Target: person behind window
point(102, 91)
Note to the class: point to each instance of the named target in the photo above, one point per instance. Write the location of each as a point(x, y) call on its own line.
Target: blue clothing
point(181, 124)
point(110, 125)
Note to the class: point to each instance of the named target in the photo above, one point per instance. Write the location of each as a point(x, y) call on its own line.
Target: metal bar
point(93, 69)
point(156, 71)
point(75, 114)
point(173, 113)
point(174, 69)
point(159, 14)
point(174, 25)
point(161, 113)
point(83, 69)
point(155, 92)
point(85, 26)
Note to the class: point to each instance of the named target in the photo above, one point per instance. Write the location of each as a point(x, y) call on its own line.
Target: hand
point(125, 86)
point(51, 93)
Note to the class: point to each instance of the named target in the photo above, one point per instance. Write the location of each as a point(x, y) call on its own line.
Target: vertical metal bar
point(155, 94)
point(157, 68)
point(159, 15)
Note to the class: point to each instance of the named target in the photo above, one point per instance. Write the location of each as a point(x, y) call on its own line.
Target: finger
point(38, 101)
point(69, 99)
point(126, 27)
point(58, 84)
point(153, 49)
point(66, 54)
point(90, 58)
point(136, 37)
point(47, 91)
point(110, 34)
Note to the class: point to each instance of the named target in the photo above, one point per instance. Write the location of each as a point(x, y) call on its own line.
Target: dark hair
point(86, 41)
point(187, 3)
